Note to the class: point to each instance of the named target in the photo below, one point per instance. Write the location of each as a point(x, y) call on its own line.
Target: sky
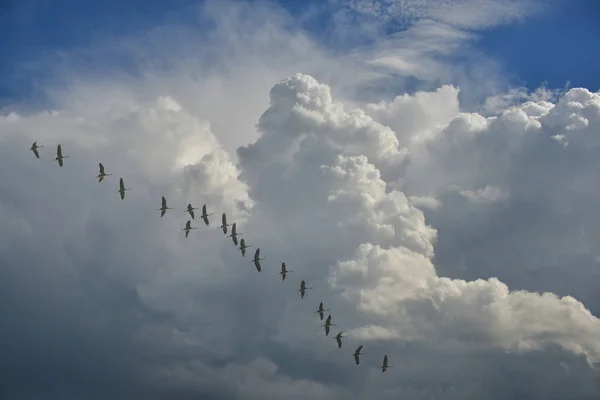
point(429, 168)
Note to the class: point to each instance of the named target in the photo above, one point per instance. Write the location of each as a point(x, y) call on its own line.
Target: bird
point(338, 338)
point(188, 227)
point(163, 208)
point(257, 259)
point(34, 148)
point(224, 224)
point(101, 175)
point(284, 271)
point(205, 215)
point(59, 156)
point(358, 353)
point(190, 210)
point(321, 310)
point(243, 247)
point(385, 364)
point(234, 234)
point(328, 325)
point(303, 288)
point(122, 189)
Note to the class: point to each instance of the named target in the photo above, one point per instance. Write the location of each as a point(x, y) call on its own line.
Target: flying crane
point(59, 156)
point(243, 247)
point(234, 234)
point(34, 148)
point(205, 215)
point(224, 224)
point(358, 353)
point(122, 189)
point(385, 364)
point(328, 325)
point(321, 310)
point(163, 208)
point(284, 271)
point(190, 210)
point(303, 289)
point(257, 259)
point(188, 227)
point(102, 174)
point(338, 338)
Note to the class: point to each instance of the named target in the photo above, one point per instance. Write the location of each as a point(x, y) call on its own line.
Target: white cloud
point(429, 34)
point(360, 200)
point(487, 194)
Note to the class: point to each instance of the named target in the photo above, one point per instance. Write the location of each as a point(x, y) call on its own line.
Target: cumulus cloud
point(438, 236)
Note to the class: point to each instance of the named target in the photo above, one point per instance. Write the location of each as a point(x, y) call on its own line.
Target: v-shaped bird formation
point(234, 237)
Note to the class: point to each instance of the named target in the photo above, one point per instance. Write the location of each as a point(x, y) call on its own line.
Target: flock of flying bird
point(234, 234)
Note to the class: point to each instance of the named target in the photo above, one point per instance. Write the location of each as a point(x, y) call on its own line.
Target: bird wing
point(359, 348)
point(257, 253)
point(60, 162)
point(283, 269)
point(235, 241)
point(162, 212)
point(58, 151)
point(224, 220)
point(122, 194)
point(164, 202)
point(302, 285)
point(326, 330)
point(121, 184)
point(101, 168)
point(339, 341)
point(36, 152)
point(192, 214)
point(321, 315)
point(257, 264)
point(328, 320)
point(233, 229)
point(356, 359)
point(100, 178)
point(188, 224)
point(385, 361)
point(321, 309)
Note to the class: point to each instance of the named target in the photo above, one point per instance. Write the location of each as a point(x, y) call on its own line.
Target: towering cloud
point(372, 207)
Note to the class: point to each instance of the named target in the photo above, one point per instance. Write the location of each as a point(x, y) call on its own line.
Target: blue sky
point(557, 46)
point(554, 47)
